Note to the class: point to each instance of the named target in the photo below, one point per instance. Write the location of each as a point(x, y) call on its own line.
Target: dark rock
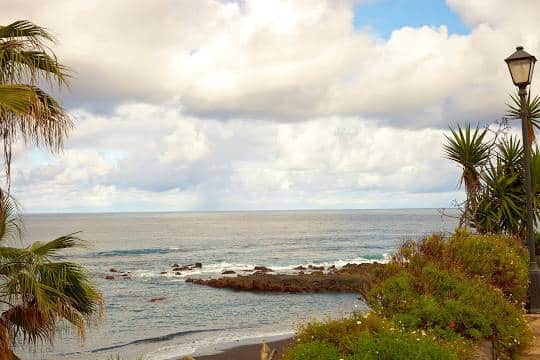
point(356, 279)
point(313, 267)
point(198, 265)
point(163, 272)
point(109, 277)
point(177, 273)
point(227, 272)
point(262, 269)
point(300, 268)
point(156, 299)
point(175, 265)
point(113, 270)
point(189, 280)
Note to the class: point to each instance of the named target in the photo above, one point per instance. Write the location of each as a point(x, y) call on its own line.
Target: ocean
point(194, 319)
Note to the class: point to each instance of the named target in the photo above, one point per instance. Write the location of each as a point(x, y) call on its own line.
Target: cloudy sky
point(267, 104)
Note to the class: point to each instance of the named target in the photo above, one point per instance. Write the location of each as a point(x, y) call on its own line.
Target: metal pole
point(534, 272)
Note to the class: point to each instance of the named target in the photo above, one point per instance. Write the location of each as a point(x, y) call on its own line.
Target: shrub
point(452, 305)
point(370, 337)
point(390, 345)
point(313, 351)
point(497, 259)
point(501, 260)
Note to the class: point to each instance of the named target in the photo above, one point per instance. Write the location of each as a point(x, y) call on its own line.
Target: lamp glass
point(521, 70)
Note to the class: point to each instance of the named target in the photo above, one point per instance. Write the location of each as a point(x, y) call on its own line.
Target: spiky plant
point(39, 291)
point(467, 148)
point(533, 113)
point(26, 111)
point(501, 201)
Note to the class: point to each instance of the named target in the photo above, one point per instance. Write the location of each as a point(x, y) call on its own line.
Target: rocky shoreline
point(351, 278)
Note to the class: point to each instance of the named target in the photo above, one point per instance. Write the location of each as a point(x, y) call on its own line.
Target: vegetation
point(26, 110)
point(370, 336)
point(493, 173)
point(435, 299)
point(498, 260)
point(39, 291)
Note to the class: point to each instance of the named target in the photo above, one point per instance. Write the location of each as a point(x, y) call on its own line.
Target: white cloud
point(263, 104)
point(285, 61)
point(200, 164)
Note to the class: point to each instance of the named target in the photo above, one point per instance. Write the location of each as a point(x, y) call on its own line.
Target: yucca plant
point(501, 201)
point(26, 111)
point(533, 112)
point(493, 175)
point(467, 148)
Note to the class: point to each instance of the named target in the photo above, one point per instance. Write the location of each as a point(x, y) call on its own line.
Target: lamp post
point(521, 66)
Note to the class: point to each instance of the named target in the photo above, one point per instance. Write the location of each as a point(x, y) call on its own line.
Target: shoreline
point(249, 351)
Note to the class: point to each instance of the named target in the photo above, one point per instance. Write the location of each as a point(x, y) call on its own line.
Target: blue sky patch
point(384, 16)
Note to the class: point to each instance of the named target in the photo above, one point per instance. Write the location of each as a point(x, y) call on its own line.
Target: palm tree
point(467, 148)
point(38, 290)
point(533, 113)
point(26, 111)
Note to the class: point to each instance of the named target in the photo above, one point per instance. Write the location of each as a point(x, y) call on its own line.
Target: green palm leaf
point(533, 112)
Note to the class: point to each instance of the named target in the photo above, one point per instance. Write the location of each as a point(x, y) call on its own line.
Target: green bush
point(452, 305)
point(370, 337)
point(436, 299)
point(314, 351)
point(497, 259)
point(501, 260)
point(390, 345)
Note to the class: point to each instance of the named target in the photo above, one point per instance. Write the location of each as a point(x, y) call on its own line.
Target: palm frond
point(513, 111)
point(34, 116)
point(16, 100)
point(19, 65)
point(50, 248)
point(25, 29)
point(10, 222)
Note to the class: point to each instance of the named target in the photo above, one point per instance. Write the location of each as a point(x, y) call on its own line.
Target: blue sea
point(194, 319)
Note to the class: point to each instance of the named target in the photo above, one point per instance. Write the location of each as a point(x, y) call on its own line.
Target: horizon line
point(228, 211)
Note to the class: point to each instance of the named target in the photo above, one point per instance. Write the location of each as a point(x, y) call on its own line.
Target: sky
point(195, 105)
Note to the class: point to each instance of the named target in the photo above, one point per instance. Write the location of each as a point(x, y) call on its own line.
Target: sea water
point(194, 319)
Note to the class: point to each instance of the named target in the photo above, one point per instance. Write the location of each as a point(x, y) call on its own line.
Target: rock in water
point(113, 270)
point(262, 269)
point(354, 279)
point(109, 277)
point(198, 265)
point(227, 272)
point(156, 299)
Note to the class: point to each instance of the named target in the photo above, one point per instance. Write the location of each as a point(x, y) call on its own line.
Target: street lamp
point(521, 66)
